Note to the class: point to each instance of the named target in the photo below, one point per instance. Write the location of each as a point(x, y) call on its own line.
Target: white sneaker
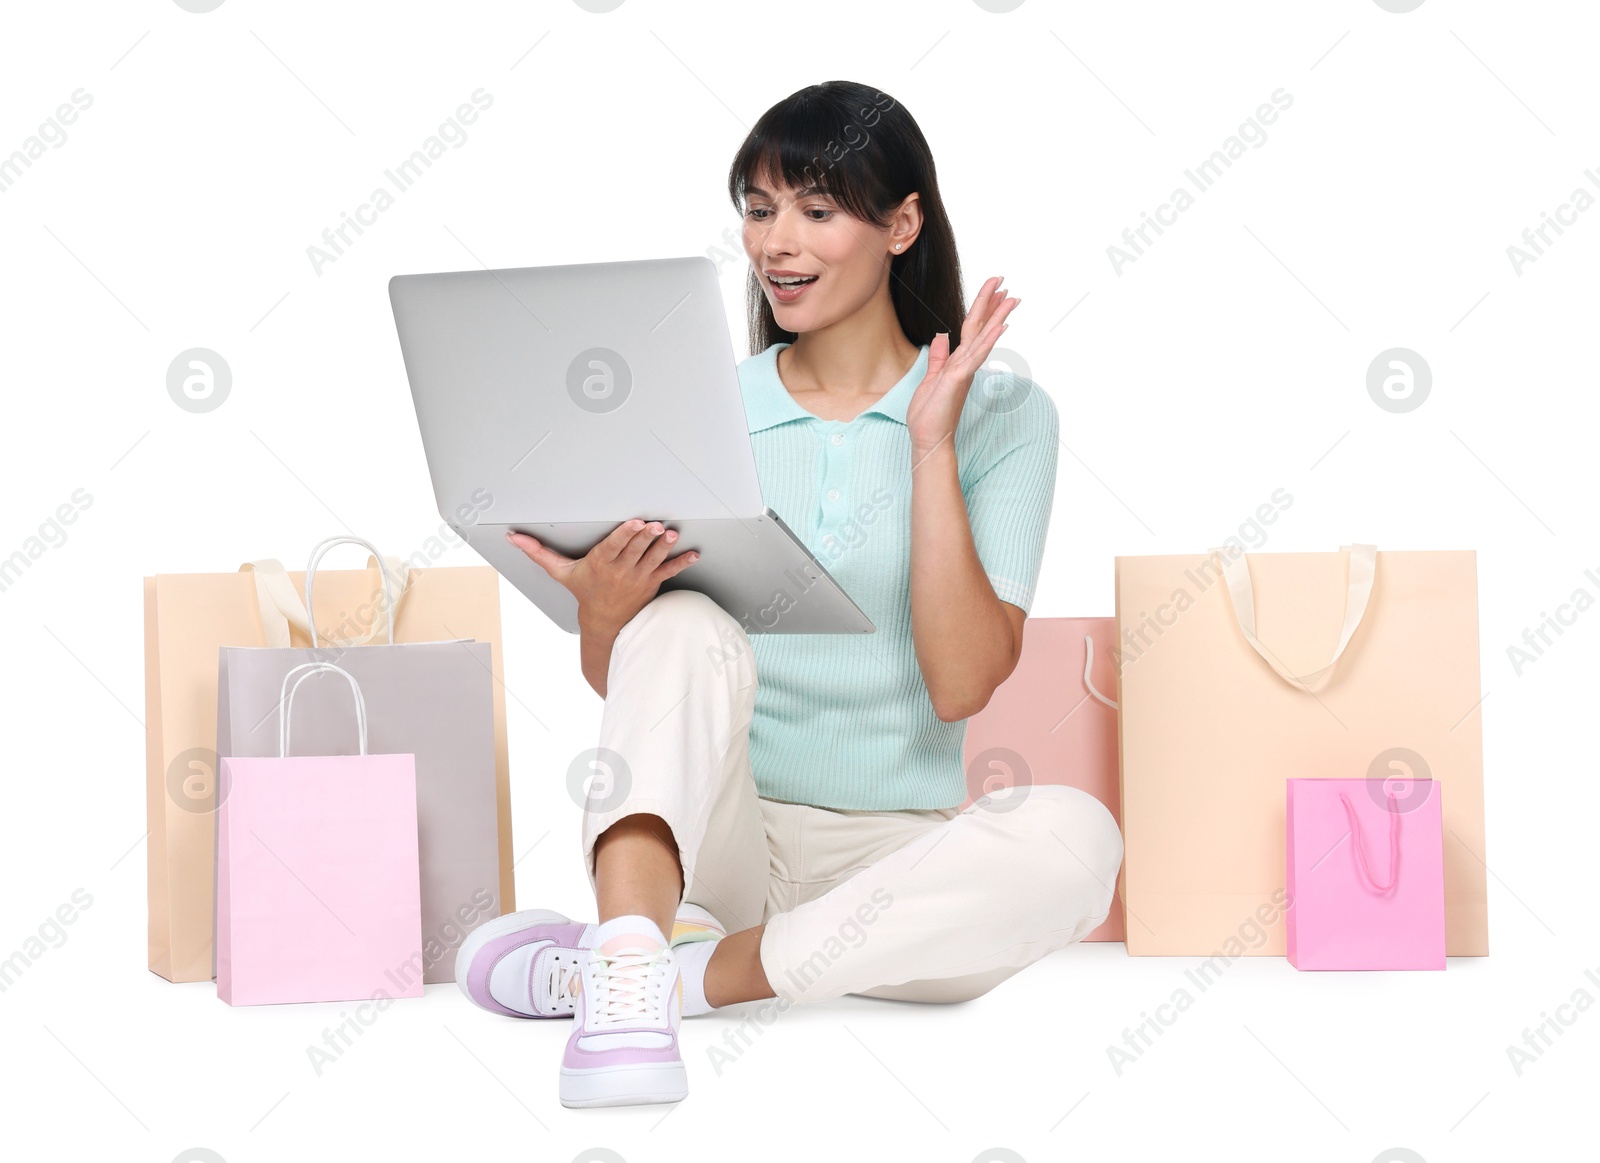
point(624, 1044)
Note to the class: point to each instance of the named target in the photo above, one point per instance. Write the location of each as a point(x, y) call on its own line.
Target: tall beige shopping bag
point(1238, 672)
point(188, 619)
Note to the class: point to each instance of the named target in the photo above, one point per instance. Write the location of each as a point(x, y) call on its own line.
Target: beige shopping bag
point(188, 619)
point(1238, 672)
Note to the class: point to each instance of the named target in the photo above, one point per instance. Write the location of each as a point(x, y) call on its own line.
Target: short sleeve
point(1009, 500)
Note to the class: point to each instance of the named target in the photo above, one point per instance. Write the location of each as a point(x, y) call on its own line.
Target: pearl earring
point(897, 246)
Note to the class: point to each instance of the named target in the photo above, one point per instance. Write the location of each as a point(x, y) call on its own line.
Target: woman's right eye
point(755, 211)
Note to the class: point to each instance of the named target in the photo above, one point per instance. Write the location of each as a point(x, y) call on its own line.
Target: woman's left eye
point(815, 210)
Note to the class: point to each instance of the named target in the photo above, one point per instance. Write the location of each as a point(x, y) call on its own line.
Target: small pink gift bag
point(318, 893)
point(1365, 869)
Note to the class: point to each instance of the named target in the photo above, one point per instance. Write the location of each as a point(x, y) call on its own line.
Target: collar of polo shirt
point(767, 402)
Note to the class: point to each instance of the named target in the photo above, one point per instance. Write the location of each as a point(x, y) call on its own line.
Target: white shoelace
point(629, 987)
point(562, 979)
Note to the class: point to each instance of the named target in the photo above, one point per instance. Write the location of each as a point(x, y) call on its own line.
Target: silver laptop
point(561, 401)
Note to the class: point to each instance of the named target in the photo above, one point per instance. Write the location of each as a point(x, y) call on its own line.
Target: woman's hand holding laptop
point(618, 577)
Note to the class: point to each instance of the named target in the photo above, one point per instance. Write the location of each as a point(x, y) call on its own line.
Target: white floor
point(1266, 1063)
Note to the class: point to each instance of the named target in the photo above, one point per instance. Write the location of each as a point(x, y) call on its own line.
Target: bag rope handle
point(1088, 663)
point(286, 701)
point(1361, 849)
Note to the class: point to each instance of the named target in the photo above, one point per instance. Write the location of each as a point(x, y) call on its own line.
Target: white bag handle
point(1088, 662)
point(286, 701)
point(283, 610)
point(1363, 563)
point(384, 566)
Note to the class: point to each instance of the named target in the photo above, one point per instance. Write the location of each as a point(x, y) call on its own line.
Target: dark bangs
point(805, 144)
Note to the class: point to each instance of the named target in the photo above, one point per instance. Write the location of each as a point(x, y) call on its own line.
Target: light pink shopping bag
point(1365, 874)
point(318, 892)
point(1054, 721)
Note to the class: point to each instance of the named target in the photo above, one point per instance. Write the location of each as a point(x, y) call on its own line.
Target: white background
point(1227, 362)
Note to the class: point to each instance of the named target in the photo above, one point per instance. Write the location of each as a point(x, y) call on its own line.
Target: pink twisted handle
point(1361, 848)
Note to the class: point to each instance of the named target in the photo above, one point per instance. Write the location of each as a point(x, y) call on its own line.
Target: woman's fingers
point(675, 566)
point(972, 355)
point(973, 323)
point(616, 541)
point(997, 321)
point(624, 545)
point(658, 550)
point(976, 354)
point(640, 542)
point(546, 558)
point(983, 306)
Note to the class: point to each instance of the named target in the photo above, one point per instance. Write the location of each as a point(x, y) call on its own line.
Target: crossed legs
point(972, 897)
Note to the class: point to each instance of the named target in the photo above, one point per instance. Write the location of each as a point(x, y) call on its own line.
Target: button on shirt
point(845, 720)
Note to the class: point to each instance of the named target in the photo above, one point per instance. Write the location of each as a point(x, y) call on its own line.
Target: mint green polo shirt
point(844, 720)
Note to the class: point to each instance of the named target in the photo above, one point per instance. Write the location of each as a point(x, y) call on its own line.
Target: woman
point(780, 819)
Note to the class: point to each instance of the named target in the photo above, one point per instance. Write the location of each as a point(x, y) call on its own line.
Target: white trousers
point(931, 905)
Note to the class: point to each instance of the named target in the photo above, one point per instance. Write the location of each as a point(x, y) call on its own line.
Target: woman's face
point(794, 233)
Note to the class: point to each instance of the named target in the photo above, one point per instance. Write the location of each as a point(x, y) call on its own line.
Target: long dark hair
point(864, 148)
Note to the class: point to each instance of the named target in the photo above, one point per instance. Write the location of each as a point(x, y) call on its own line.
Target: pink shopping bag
point(318, 891)
point(1054, 721)
point(1365, 868)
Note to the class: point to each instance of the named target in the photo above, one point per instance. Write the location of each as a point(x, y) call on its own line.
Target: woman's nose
point(779, 236)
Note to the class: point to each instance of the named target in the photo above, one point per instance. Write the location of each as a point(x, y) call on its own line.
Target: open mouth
point(787, 288)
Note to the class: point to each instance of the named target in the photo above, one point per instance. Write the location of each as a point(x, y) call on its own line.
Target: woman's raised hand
point(935, 407)
point(619, 576)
